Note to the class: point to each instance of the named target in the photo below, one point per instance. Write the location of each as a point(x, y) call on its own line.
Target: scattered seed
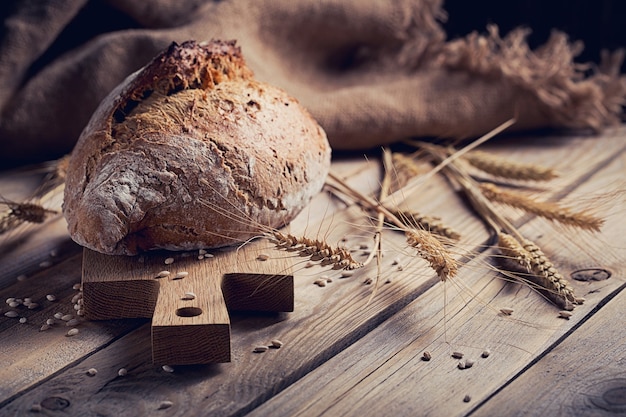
point(10, 300)
point(327, 278)
point(23, 320)
point(565, 314)
point(188, 296)
point(320, 282)
point(461, 364)
point(579, 300)
point(76, 297)
point(457, 355)
point(92, 371)
point(44, 327)
point(262, 257)
point(209, 255)
point(67, 317)
point(426, 356)
point(71, 322)
point(469, 363)
point(260, 349)
point(200, 257)
point(201, 252)
point(169, 261)
point(165, 404)
point(346, 274)
point(51, 297)
point(181, 275)
point(467, 399)
point(506, 311)
point(11, 314)
point(72, 332)
point(162, 274)
point(27, 301)
point(396, 261)
point(76, 286)
point(45, 264)
point(122, 372)
point(21, 278)
point(277, 344)
point(14, 304)
point(309, 264)
point(32, 306)
point(167, 368)
point(388, 280)
point(80, 312)
point(368, 281)
point(58, 316)
point(35, 408)
point(54, 253)
point(399, 268)
point(486, 353)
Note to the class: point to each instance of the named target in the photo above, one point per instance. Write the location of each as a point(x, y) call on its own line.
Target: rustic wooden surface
point(345, 351)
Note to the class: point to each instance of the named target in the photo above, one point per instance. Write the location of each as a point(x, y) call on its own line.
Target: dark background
point(600, 24)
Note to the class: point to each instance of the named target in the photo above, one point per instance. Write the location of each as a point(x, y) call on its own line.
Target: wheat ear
point(530, 259)
point(504, 168)
point(431, 224)
point(432, 250)
point(316, 250)
point(549, 210)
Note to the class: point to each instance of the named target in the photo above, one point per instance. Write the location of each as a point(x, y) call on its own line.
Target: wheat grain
point(504, 168)
point(549, 210)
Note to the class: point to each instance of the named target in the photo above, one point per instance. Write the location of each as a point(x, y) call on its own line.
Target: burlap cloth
point(370, 71)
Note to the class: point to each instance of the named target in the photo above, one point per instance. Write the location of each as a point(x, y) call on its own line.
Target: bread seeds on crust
point(186, 146)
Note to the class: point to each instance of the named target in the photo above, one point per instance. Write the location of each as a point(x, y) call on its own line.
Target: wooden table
point(346, 352)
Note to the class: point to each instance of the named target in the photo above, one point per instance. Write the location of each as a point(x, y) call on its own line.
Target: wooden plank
point(186, 295)
point(325, 321)
point(583, 375)
point(384, 373)
point(190, 323)
point(29, 355)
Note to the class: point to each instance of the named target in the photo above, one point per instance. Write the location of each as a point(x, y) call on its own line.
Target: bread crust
point(192, 152)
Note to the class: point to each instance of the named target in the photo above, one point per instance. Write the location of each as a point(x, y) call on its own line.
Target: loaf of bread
point(192, 152)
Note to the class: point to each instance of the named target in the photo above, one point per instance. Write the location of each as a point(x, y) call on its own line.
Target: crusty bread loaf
point(192, 152)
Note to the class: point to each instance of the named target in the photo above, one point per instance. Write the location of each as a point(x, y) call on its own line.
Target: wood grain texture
point(345, 353)
point(187, 295)
point(584, 375)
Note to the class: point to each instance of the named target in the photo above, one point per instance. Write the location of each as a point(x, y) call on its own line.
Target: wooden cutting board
point(188, 295)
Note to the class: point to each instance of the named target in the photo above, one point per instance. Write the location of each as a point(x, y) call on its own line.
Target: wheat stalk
point(504, 168)
point(31, 210)
point(549, 210)
point(427, 245)
point(525, 254)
